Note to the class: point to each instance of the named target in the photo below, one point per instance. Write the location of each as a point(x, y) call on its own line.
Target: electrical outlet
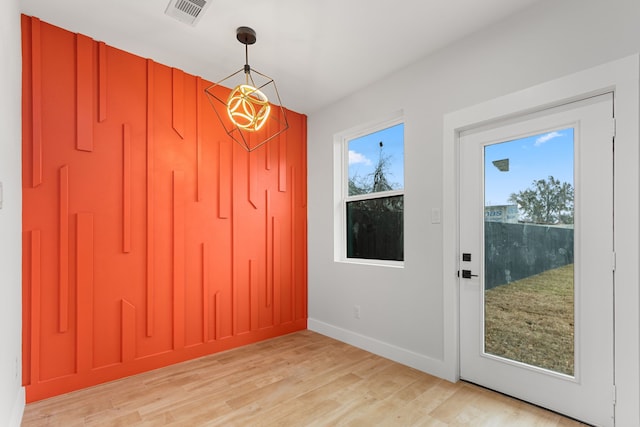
point(356, 311)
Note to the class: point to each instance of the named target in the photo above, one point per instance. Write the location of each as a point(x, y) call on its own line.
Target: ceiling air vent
point(187, 11)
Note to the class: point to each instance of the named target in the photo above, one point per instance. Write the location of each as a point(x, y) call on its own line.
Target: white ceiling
point(318, 51)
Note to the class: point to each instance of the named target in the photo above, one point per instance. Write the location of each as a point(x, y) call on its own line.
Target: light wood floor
point(302, 379)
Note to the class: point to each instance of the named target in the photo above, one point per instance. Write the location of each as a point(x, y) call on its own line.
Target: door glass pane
point(529, 249)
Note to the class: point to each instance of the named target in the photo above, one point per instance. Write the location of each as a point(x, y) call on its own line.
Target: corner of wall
point(18, 409)
point(401, 355)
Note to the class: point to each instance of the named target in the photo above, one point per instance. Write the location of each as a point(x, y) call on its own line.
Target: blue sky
point(531, 158)
point(364, 153)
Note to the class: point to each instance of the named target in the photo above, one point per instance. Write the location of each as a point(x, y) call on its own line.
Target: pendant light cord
point(247, 69)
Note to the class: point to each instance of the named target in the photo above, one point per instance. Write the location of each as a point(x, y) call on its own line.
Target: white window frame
point(341, 187)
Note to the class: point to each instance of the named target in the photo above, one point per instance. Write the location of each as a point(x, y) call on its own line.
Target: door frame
point(621, 77)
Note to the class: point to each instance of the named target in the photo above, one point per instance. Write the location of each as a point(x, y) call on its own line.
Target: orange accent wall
point(149, 236)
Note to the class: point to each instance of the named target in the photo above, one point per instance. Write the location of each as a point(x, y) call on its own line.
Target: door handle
point(466, 274)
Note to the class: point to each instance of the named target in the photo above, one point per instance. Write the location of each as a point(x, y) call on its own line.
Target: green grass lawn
point(532, 320)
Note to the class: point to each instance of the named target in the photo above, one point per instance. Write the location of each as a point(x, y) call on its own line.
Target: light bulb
point(248, 108)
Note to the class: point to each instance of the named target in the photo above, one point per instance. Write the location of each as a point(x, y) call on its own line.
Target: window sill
point(372, 262)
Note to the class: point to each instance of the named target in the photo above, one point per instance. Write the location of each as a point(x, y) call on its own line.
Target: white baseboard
point(415, 360)
point(18, 409)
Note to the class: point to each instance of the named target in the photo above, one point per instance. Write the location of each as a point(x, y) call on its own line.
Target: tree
point(547, 201)
point(375, 181)
point(358, 185)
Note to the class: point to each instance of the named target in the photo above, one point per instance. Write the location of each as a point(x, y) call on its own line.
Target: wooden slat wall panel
point(303, 161)
point(150, 176)
point(63, 255)
point(199, 142)
point(178, 102)
point(85, 277)
point(224, 178)
point(253, 179)
point(146, 252)
point(268, 250)
point(102, 82)
point(277, 271)
point(216, 316)
point(178, 259)
point(205, 292)
point(126, 188)
point(292, 243)
point(128, 331)
point(84, 93)
point(36, 94)
point(270, 147)
point(282, 162)
point(253, 295)
point(36, 301)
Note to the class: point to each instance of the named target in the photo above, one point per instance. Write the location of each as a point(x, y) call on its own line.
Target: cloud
point(355, 157)
point(546, 138)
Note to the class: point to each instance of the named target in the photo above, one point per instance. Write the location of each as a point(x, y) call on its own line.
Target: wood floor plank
point(301, 379)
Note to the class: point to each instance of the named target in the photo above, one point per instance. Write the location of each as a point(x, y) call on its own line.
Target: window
point(371, 206)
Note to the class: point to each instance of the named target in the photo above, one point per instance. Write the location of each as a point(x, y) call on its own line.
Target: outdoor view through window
point(375, 199)
point(529, 250)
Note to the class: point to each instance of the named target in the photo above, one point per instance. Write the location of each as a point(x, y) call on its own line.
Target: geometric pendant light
point(251, 113)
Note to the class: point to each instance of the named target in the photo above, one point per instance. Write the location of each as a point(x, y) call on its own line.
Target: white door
point(537, 261)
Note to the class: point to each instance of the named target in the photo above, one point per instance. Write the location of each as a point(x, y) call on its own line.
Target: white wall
point(402, 309)
point(11, 392)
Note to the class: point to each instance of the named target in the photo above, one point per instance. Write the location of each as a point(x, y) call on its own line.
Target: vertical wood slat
point(199, 147)
point(235, 330)
point(268, 254)
point(102, 82)
point(293, 234)
point(205, 292)
point(216, 315)
point(85, 269)
point(36, 82)
point(242, 300)
point(282, 162)
point(234, 280)
point(126, 188)
point(253, 295)
point(304, 274)
point(276, 286)
point(36, 302)
point(84, 93)
point(63, 255)
point(178, 259)
point(178, 101)
point(267, 156)
point(303, 247)
point(128, 331)
point(150, 285)
point(224, 178)
point(271, 129)
point(303, 138)
point(253, 178)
